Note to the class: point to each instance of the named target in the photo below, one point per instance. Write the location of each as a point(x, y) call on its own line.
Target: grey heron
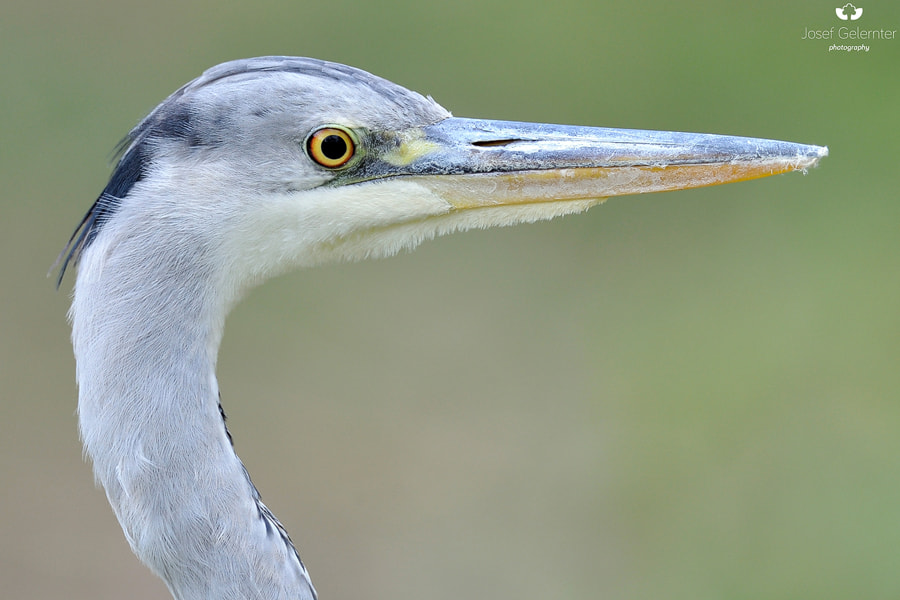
point(267, 164)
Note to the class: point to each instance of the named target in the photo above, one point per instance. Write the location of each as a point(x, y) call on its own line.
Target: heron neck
point(146, 332)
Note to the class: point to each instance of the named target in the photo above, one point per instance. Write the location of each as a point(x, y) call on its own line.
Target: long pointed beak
point(474, 163)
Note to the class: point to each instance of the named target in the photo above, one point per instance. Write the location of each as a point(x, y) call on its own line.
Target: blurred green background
point(688, 395)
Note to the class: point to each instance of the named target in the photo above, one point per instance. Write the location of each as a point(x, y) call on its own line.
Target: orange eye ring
point(331, 147)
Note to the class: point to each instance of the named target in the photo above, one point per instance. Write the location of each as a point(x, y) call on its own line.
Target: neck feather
point(146, 332)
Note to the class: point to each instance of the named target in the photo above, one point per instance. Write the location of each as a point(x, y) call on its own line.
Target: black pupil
point(334, 147)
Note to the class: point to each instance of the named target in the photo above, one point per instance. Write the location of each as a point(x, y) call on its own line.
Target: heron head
point(276, 162)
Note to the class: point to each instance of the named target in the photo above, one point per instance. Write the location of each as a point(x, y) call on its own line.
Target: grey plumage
point(197, 123)
point(229, 182)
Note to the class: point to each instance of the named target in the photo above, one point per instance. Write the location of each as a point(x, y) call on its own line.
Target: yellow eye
point(331, 147)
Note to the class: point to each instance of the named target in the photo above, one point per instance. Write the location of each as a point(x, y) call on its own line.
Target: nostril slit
point(489, 143)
